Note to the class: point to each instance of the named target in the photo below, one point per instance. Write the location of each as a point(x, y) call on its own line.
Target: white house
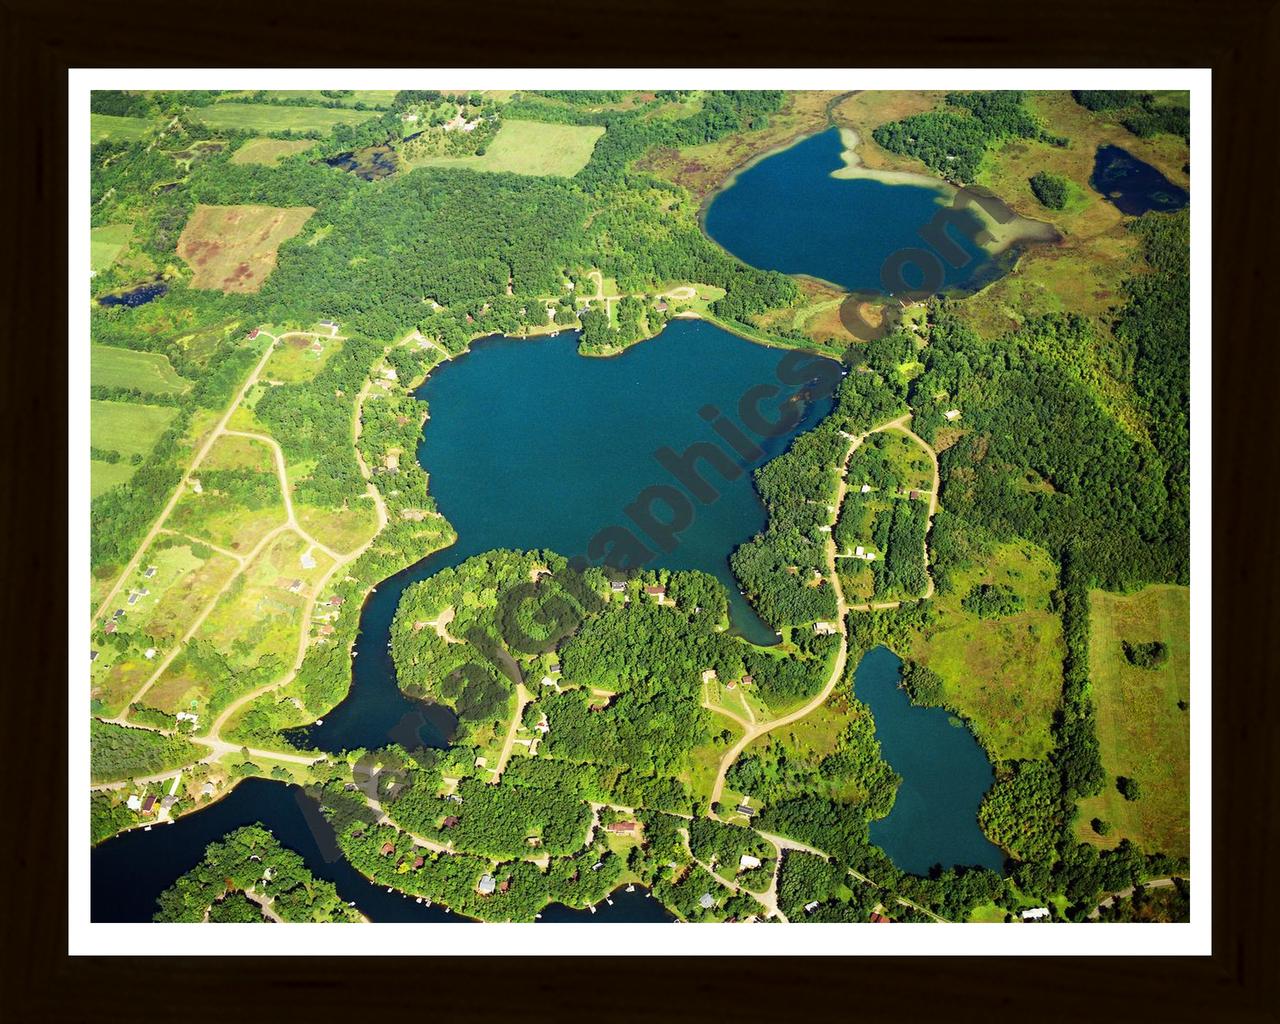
point(707, 901)
point(1035, 913)
point(134, 803)
point(746, 862)
point(952, 414)
point(809, 908)
point(864, 489)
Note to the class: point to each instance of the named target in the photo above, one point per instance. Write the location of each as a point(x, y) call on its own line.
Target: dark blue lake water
point(945, 775)
point(787, 213)
point(135, 296)
point(530, 445)
point(1133, 186)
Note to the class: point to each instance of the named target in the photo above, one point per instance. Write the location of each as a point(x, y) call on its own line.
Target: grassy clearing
point(233, 248)
point(186, 577)
point(269, 151)
point(105, 475)
point(129, 428)
point(107, 243)
point(1004, 674)
point(266, 117)
point(529, 147)
point(149, 372)
point(232, 520)
point(343, 529)
point(300, 357)
point(122, 129)
point(863, 112)
point(1141, 731)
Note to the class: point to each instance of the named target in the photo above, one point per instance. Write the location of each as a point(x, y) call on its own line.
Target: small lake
point(945, 775)
point(531, 445)
point(788, 213)
point(1133, 186)
point(135, 296)
point(369, 164)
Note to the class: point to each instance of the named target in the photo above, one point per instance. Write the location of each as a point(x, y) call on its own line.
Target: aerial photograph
point(607, 505)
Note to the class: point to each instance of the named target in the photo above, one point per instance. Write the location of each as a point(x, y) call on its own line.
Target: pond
point(530, 445)
point(143, 293)
point(369, 164)
point(789, 213)
point(945, 775)
point(1133, 186)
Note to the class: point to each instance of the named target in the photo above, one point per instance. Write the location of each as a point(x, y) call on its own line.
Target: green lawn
point(108, 126)
point(106, 243)
point(149, 372)
point(128, 427)
point(265, 117)
point(105, 475)
point(529, 147)
point(1141, 731)
point(381, 98)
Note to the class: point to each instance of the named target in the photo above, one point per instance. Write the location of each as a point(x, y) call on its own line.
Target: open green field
point(1003, 674)
point(105, 475)
point(269, 151)
point(127, 129)
point(106, 243)
point(129, 428)
point(232, 511)
point(529, 147)
point(266, 117)
point(150, 372)
point(1142, 732)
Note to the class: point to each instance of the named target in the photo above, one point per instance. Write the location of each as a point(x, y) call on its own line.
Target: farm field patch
point(268, 117)
point(123, 129)
point(149, 372)
point(106, 243)
point(529, 147)
point(1142, 732)
point(233, 248)
point(269, 151)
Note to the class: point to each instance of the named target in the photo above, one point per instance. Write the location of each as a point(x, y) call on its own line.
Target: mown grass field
point(1141, 731)
point(150, 372)
point(269, 151)
point(233, 248)
point(1003, 674)
point(267, 117)
point(106, 243)
point(129, 428)
point(529, 147)
point(125, 129)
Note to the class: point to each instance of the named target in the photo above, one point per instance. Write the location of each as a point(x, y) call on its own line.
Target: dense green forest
point(118, 752)
point(953, 141)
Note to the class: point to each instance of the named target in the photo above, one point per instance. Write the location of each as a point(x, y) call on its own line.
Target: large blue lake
point(945, 775)
point(531, 445)
point(787, 213)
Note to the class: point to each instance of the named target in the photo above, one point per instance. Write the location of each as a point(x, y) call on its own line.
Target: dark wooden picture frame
point(1236, 38)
